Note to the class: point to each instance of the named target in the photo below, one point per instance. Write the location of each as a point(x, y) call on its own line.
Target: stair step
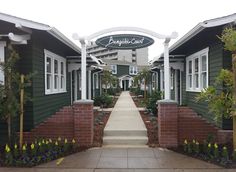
point(125, 132)
point(125, 140)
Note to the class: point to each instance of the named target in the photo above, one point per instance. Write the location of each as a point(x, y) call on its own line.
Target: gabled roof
point(201, 26)
point(20, 22)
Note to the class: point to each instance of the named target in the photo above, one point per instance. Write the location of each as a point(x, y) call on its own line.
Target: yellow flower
point(73, 141)
point(32, 146)
point(59, 139)
point(56, 143)
point(15, 146)
point(24, 147)
point(215, 145)
point(47, 142)
point(65, 141)
point(194, 141)
point(224, 148)
point(43, 141)
point(39, 143)
point(185, 141)
point(197, 143)
point(209, 145)
point(7, 149)
point(50, 140)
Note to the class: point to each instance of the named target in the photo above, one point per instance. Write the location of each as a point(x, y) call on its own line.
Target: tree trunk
point(234, 113)
point(145, 93)
point(9, 127)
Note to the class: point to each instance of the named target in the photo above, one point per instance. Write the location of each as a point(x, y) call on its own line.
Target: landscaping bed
point(222, 155)
point(152, 128)
point(100, 120)
point(38, 152)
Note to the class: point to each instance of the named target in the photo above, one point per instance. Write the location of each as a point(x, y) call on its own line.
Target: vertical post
point(166, 70)
point(83, 70)
point(89, 85)
point(21, 109)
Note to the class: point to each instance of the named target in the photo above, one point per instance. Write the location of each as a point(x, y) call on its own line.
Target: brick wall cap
point(164, 101)
point(87, 101)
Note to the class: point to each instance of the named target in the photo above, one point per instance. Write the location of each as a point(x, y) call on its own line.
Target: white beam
point(89, 85)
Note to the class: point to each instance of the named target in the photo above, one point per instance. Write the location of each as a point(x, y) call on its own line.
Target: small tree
point(9, 92)
point(143, 77)
point(108, 80)
point(229, 38)
point(220, 96)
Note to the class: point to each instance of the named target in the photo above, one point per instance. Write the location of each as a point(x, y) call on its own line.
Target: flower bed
point(222, 155)
point(152, 128)
point(100, 120)
point(40, 151)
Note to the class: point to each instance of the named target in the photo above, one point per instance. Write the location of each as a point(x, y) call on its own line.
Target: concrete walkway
point(124, 160)
point(125, 125)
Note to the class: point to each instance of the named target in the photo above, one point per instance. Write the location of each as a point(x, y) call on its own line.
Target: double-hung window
point(197, 71)
point(113, 69)
point(55, 73)
point(133, 70)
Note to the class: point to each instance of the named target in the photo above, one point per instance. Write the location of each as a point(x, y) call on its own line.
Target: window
point(55, 73)
point(2, 56)
point(197, 71)
point(133, 70)
point(113, 69)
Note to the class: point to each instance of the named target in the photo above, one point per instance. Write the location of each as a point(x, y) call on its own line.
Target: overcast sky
point(88, 16)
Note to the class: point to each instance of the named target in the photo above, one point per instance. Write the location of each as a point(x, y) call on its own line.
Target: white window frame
point(198, 55)
point(133, 70)
point(172, 79)
point(2, 60)
point(96, 80)
point(53, 57)
point(114, 69)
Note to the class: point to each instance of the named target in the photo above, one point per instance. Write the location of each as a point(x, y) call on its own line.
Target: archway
point(85, 40)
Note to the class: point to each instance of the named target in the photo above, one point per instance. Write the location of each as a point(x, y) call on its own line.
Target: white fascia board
point(187, 36)
point(24, 22)
point(19, 22)
point(57, 34)
point(220, 21)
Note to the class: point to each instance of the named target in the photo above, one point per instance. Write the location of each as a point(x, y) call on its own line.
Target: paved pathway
point(125, 125)
point(125, 160)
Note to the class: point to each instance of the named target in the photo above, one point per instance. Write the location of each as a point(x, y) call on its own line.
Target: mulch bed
point(152, 128)
point(100, 121)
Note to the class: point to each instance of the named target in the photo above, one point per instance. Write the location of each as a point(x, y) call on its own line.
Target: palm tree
point(108, 80)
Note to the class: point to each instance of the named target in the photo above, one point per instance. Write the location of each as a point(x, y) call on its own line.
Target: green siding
point(122, 70)
point(45, 105)
point(215, 61)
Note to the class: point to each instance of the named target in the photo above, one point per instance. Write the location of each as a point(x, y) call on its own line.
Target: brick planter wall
point(167, 123)
point(83, 122)
point(70, 122)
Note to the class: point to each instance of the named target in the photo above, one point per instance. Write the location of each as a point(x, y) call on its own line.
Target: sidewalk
point(125, 125)
point(124, 160)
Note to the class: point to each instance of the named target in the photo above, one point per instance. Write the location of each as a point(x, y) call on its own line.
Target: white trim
point(2, 60)
point(53, 57)
point(133, 70)
point(115, 69)
point(192, 58)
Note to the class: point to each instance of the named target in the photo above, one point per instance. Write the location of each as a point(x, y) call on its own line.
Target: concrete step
point(125, 140)
point(125, 132)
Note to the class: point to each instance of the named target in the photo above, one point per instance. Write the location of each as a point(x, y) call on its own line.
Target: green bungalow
point(195, 61)
point(55, 60)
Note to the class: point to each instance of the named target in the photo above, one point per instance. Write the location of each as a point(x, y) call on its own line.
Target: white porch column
point(166, 70)
point(83, 70)
point(89, 85)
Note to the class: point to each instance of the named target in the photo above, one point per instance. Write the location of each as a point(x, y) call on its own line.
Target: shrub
point(216, 151)
point(225, 154)
point(185, 145)
point(104, 100)
point(152, 100)
point(234, 155)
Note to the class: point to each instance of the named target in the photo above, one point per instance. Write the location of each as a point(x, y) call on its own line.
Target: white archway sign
point(83, 41)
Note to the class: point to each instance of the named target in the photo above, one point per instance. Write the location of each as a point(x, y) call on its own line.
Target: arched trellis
point(83, 41)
